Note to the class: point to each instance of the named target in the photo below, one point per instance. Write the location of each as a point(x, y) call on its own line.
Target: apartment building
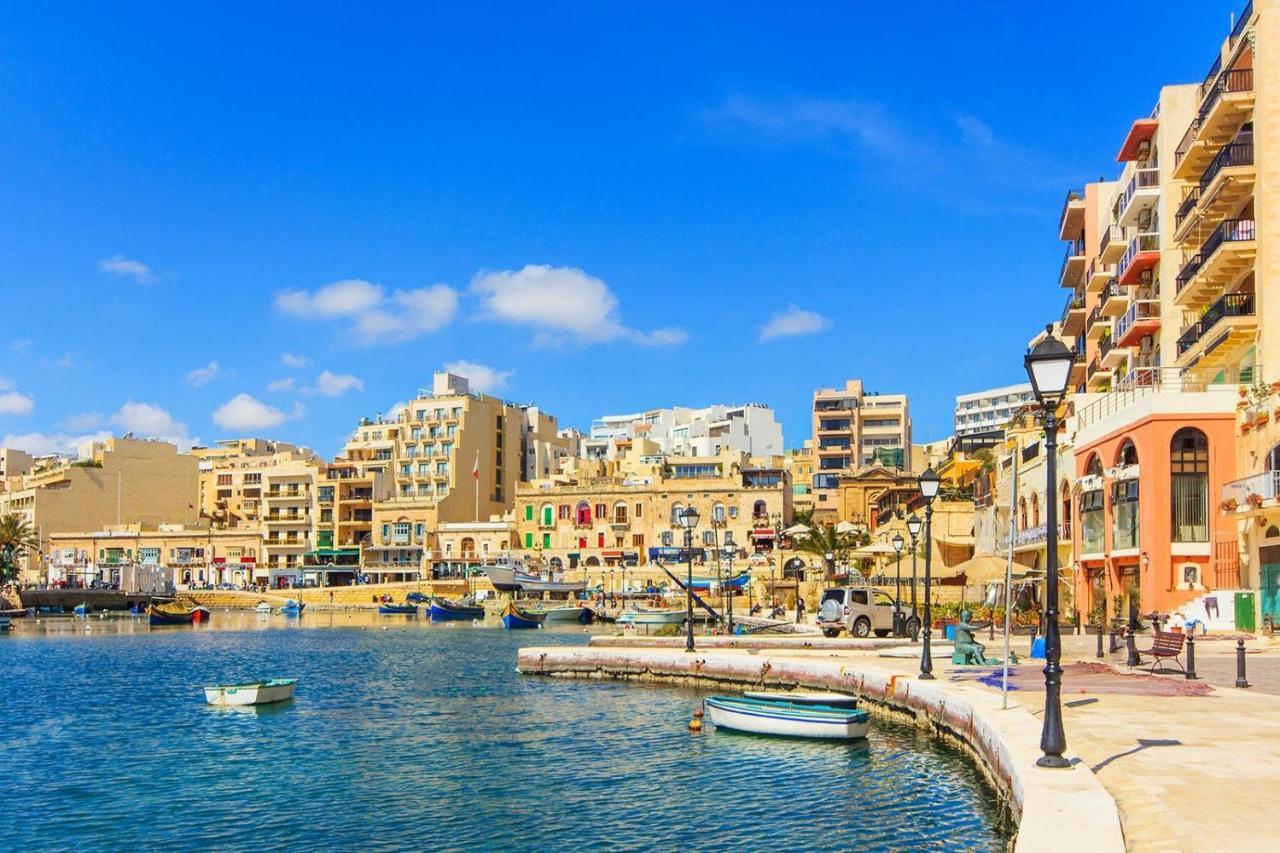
point(108, 482)
point(679, 431)
point(988, 411)
point(623, 513)
point(156, 558)
point(799, 464)
point(1169, 339)
point(853, 429)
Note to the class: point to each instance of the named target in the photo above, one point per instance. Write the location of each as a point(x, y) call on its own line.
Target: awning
point(610, 553)
point(327, 552)
point(763, 534)
point(986, 568)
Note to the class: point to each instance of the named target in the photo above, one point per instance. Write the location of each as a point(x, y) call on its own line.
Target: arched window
point(548, 515)
point(1035, 509)
point(1189, 485)
point(582, 514)
point(759, 510)
point(1022, 513)
point(1064, 512)
point(717, 513)
point(1273, 459)
point(676, 509)
point(620, 513)
point(1127, 454)
point(468, 547)
point(1093, 467)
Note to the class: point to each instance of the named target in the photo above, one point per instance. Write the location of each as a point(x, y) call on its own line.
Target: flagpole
point(475, 479)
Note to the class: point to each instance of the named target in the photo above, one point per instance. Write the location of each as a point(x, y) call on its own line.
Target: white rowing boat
point(785, 718)
point(251, 693)
point(805, 697)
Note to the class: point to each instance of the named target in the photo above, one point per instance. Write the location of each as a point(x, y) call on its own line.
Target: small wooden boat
point(654, 617)
point(81, 610)
point(251, 693)
point(18, 612)
point(200, 613)
point(785, 718)
point(138, 610)
point(51, 610)
point(170, 614)
point(513, 617)
point(445, 610)
point(737, 583)
point(293, 607)
point(416, 598)
point(803, 697)
point(262, 607)
point(567, 614)
point(389, 609)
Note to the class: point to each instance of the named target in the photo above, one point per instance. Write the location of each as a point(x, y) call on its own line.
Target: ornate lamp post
point(929, 484)
point(898, 620)
point(913, 527)
point(728, 593)
point(688, 520)
point(1049, 366)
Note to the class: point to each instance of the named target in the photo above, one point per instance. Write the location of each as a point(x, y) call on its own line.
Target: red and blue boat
point(389, 609)
point(513, 617)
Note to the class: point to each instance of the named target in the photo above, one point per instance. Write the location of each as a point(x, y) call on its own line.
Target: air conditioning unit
point(1144, 218)
point(1144, 277)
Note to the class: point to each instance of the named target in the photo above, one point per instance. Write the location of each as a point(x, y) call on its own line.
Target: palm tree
point(802, 515)
point(16, 540)
point(823, 539)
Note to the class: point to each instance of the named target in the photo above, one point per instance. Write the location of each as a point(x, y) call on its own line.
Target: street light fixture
point(729, 547)
point(1049, 366)
point(929, 484)
point(688, 520)
point(898, 626)
point(913, 527)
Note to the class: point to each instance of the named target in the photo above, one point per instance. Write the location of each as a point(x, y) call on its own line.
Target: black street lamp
point(898, 620)
point(913, 527)
point(1049, 366)
point(728, 555)
point(688, 520)
point(929, 484)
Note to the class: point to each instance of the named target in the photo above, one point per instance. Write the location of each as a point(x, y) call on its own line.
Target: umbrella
point(796, 530)
point(875, 549)
point(985, 568)
point(846, 527)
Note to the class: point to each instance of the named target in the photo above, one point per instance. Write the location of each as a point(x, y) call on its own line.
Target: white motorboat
point(566, 614)
point(263, 607)
point(785, 718)
point(251, 693)
point(803, 697)
point(655, 617)
point(508, 574)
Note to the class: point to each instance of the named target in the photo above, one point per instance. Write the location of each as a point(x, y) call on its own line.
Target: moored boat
point(737, 583)
point(804, 697)
point(508, 574)
point(251, 693)
point(446, 610)
point(568, 614)
point(200, 613)
point(170, 614)
point(80, 609)
point(293, 607)
point(514, 617)
point(388, 609)
point(785, 718)
point(18, 612)
point(656, 617)
point(6, 624)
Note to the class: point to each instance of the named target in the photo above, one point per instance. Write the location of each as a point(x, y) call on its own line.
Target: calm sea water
point(424, 737)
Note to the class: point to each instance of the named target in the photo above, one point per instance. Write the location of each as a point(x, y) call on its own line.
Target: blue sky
point(249, 220)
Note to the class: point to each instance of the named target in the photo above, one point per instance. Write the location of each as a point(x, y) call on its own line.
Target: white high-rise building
point(750, 428)
point(986, 411)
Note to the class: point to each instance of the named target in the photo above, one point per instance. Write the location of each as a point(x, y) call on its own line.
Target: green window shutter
point(546, 540)
point(528, 540)
point(528, 512)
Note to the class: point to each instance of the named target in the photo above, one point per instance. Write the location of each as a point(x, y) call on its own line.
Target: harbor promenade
point(1159, 763)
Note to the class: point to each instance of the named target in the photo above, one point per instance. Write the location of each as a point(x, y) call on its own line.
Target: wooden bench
point(1166, 646)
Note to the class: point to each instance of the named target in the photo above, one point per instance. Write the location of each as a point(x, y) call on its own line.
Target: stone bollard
point(1241, 681)
point(1099, 641)
point(1191, 657)
point(1111, 640)
point(1131, 644)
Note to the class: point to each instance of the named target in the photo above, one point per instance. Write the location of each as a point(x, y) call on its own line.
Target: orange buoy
point(695, 725)
point(698, 714)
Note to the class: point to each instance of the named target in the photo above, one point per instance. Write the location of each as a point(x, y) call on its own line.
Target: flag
point(475, 469)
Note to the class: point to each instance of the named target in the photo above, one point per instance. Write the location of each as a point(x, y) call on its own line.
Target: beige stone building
point(852, 430)
point(193, 554)
point(110, 482)
point(799, 464)
point(606, 514)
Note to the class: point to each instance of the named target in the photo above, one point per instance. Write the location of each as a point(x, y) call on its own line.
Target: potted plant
point(1245, 427)
point(1230, 505)
point(1255, 500)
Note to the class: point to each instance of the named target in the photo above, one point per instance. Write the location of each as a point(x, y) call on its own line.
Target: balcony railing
point(1238, 153)
point(1238, 30)
point(1094, 315)
point(1110, 234)
point(1188, 205)
point(1229, 231)
point(1235, 80)
point(1147, 242)
point(1142, 179)
point(1075, 251)
point(1074, 303)
point(1144, 309)
point(1265, 486)
point(1104, 347)
point(1072, 195)
point(1231, 305)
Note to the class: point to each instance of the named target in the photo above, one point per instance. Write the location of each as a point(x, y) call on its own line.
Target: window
point(1273, 459)
point(406, 470)
point(1091, 522)
point(733, 512)
point(668, 538)
point(546, 540)
point(619, 513)
point(424, 469)
point(402, 532)
point(717, 513)
point(676, 509)
point(224, 479)
point(1124, 514)
point(582, 514)
point(708, 537)
point(602, 511)
point(252, 479)
point(528, 512)
point(528, 539)
point(637, 540)
point(562, 512)
point(639, 513)
point(547, 517)
point(1128, 454)
point(1189, 486)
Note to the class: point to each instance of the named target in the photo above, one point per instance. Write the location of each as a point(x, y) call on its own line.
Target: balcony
point(1073, 315)
point(1138, 137)
point(1114, 241)
point(1115, 300)
point(1109, 354)
point(1143, 254)
point(1072, 218)
point(1226, 183)
point(1142, 319)
point(1098, 375)
point(1229, 250)
point(1099, 325)
point(285, 494)
point(1097, 275)
point(1206, 342)
point(1263, 487)
point(1072, 264)
point(1227, 103)
point(1079, 370)
point(1140, 195)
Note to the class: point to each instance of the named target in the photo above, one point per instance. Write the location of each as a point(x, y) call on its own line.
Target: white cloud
point(15, 403)
point(291, 360)
point(19, 344)
point(244, 412)
point(39, 443)
point(5, 384)
point(482, 378)
point(147, 420)
point(287, 383)
point(203, 375)
point(122, 266)
point(793, 321)
point(560, 302)
point(82, 422)
point(379, 317)
point(334, 384)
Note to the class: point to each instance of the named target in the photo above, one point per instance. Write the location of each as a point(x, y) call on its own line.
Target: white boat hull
point(780, 723)
point(657, 617)
point(563, 614)
point(264, 694)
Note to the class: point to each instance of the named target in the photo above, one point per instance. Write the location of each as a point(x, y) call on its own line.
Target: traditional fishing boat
point(18, 612)
point(786, 718)
point(170, 614)
point(388, 608)
point(447, 610)
point(416, 598)
point(251, 693)
point(652, 617)
point(737, 583)
point(51, 610)
point(81, 610)
point(568, 614)
point(262, 607)
point(508, 574)
point(803, 697)
point(514, 617)
point(293, 607)
point(200, 613)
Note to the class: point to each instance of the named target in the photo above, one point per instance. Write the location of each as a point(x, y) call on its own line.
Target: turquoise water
point(424, 737)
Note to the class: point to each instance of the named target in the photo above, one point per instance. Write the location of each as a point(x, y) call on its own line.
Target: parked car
point(859, 610)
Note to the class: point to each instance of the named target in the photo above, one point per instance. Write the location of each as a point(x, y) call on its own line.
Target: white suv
point(859, 610)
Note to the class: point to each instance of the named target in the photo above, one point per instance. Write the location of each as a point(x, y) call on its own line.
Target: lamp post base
point(1053, 761)
point(927, 676)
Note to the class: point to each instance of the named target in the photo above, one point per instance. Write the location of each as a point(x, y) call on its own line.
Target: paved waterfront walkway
point(1191, 773)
